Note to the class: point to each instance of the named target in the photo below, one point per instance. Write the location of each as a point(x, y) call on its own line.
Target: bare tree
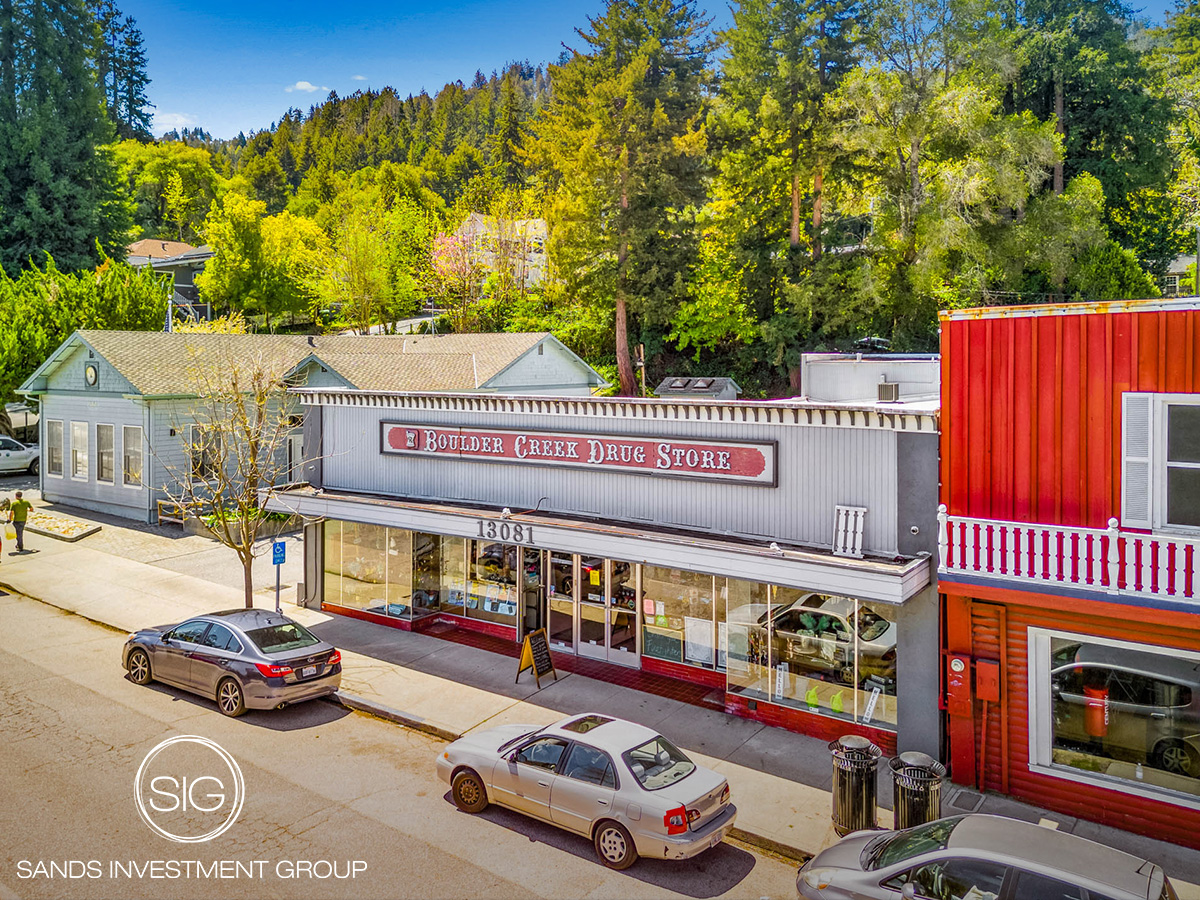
point(235, 441)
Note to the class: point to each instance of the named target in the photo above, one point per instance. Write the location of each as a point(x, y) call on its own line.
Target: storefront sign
point(745, 462)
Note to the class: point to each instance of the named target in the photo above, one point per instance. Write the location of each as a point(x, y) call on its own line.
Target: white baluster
point(1131, 549)
point(1052, 553)
point(943, 540)
point(1147, 581)
point(1024, 549)
point(1164, 547)
point(1114, 556)
point(969, 543)
point(1180, 583)
point(1010, 551)
point(1088, 570)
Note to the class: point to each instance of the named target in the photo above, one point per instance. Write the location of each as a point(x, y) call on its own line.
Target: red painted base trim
point(390, 621)
point(706, 677)
point(823, 727)
point(480, 626)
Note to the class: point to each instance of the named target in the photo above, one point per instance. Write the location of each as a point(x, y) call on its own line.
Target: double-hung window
point(54, 447)
point(79, 450)
point(105, 451)
point(1160, 483)
point(131, 458)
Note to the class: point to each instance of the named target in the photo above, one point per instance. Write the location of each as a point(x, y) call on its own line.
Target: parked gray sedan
point(620, 784)
point(242, 658)
point(978, 857)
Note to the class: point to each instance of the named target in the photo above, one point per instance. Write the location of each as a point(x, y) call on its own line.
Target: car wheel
point(139, 667)
point(614, 846)
point(33, 467)
point(468, 791)
point(1178, 757)
point(229, 698)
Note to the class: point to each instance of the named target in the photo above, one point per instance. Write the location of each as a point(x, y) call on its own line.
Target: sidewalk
point(780, 781)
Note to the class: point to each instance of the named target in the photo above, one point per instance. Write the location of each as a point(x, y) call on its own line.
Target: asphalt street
point(323, 786)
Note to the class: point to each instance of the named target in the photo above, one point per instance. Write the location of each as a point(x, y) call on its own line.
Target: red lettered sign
point(746, 462)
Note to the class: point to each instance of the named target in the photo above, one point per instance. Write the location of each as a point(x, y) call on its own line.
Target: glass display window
point(829, 655)
point(679, 623)
point(1119, 713)
point(426, 573)
point(494, 574)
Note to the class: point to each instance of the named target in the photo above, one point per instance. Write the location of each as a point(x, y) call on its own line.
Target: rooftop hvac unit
point(889, 392)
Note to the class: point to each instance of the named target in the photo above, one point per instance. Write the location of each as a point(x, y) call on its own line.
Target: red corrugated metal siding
point(1157, 819)
point(1031, 408)
point(985, 644)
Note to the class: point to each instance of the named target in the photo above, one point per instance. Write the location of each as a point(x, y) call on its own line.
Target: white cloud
point(164, 122)
point(359, 77)
point(307, 86)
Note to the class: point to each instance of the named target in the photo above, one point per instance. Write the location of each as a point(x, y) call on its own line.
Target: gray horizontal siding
point(90, 493)
point(69, 375)
point(819, 467)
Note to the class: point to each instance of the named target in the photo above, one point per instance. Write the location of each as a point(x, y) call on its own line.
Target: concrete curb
point(379, 710)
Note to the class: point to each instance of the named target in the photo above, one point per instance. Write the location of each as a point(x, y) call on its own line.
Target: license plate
point(716, 839)
point(308, 670)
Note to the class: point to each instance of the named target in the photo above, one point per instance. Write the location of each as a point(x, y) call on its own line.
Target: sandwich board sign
point(535, 654)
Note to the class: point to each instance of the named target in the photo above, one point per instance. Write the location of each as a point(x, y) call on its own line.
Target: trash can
point(854, 762)
point(918, 780)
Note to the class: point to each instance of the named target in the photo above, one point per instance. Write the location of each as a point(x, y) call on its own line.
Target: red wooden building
point(1067, 540)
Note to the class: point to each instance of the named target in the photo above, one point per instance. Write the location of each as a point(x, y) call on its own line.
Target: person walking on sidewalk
point(18, 514)
point(4, 506)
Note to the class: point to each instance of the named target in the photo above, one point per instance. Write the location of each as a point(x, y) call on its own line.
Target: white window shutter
point(1136, 451)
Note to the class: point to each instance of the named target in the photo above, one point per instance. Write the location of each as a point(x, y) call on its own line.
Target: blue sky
point(232, 67)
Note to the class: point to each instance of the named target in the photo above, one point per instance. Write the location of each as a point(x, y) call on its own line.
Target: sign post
point(535, 654)
point(278, 554)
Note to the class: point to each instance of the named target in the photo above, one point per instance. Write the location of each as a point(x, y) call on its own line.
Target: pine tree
point(132, 110)
point(506, 136)
point(623, 140)
point(58, 191)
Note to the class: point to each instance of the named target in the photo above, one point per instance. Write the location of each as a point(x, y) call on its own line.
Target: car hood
point(846, 853)
point(491, 738)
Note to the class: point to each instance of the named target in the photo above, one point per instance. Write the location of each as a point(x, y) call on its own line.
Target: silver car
point(242, 658)
point(620, 784)
point(978, 857)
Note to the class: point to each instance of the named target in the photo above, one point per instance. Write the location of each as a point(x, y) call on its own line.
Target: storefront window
point(386, 571)
point(682, 627)
point(1125, 711)
point(426, 573)
point(494, 576)
point(824, 654)
point(454, 575)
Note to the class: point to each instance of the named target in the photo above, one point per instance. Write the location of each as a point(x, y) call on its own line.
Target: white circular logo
point(189, 789)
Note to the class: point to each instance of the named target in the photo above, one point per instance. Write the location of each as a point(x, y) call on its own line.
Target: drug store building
point(1068, 541)
point(779, 553)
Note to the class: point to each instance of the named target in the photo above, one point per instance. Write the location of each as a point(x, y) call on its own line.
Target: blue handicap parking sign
point(278, 552)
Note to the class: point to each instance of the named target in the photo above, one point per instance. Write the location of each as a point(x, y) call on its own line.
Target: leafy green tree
point(622, 143)
point(57, 191)
point(261, 265)
point(171, 185)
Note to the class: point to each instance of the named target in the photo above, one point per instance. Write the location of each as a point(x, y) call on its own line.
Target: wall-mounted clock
point(91, 374)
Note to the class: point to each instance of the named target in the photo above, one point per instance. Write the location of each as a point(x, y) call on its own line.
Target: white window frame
point(1157, 458)
point(125, 482)
point(86, 452)
point(62, 454)
point(190, 450)
point(112, 453)
point(1041, 716)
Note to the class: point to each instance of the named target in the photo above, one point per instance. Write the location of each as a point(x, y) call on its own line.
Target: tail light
point(272, 671)
point(693, 815)
point(725, 794)
point(676, 821)
point(334, 658)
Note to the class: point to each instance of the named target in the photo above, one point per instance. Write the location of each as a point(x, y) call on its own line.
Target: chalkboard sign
point(535, 654)
point(663, 643)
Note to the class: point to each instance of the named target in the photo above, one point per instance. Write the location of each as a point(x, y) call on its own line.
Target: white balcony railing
point(1096, 559)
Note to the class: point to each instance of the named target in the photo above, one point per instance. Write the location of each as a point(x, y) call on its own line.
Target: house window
point(1115, 713)
point(79, 450)
point(54, 447)
point(104, 453)
point(201, 453)
point(1160, 484)
point(131, 459)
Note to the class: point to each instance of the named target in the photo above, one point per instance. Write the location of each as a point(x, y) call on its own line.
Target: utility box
point(987, 680)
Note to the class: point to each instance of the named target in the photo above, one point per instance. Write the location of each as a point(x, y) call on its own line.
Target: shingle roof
point(153, 248)
point(156, 362)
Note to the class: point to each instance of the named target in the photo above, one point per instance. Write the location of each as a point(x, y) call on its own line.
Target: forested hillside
point(815, 173)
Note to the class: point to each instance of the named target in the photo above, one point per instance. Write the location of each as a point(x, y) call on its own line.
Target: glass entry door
point(560, 584)
point(608, 614)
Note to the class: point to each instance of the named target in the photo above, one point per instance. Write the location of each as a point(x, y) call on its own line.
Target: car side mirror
point(512, 757)
point(908, 892)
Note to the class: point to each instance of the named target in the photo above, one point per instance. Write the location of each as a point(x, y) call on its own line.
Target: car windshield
point(512, 742)
point(658, 763)
point(895, 848)
point(281, 638)
point(870, 625)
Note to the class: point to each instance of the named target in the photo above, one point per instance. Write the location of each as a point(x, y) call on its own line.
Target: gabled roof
point(156, 363)
point(153, 248)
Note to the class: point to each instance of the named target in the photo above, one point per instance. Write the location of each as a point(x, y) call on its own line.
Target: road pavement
point(323, 786)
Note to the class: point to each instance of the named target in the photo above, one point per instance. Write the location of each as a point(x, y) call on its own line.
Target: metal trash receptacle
point(854, 802)
point(918, 788)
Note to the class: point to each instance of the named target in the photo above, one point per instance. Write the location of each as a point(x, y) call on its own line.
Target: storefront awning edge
point(891, 583)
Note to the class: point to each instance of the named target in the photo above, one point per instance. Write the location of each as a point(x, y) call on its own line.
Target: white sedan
point(16, 457)
point(620, 784)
